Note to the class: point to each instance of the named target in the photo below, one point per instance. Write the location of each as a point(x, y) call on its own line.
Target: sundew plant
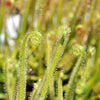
point(49, 49)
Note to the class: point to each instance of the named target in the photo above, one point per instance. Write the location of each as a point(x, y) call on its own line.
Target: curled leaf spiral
point(63, 38)
point(77, 50)
point(36, 39)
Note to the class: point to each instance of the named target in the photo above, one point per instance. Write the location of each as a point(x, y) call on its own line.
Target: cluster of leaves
point(58, 58)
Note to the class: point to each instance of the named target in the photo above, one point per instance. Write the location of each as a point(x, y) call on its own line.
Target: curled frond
point(62, 41)
point(77, 50)
point(36, 38)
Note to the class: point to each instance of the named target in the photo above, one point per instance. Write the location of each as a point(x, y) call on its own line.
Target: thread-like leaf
point(60, 92)
point(57, 56)
point(77, 51)
point(7, 81)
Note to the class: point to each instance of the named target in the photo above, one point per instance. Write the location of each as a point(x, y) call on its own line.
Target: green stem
point(50, 73)
point(2, 10)
point(59, 12)
point(86, 70)
point(60, 92)
point(51, 89)
point(25, 18)
point(33, 94)
point(7, 82)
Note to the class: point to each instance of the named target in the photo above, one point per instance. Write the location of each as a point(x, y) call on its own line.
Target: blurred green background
point(18, 17)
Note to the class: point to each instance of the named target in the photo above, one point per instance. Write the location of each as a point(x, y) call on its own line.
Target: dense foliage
point(49, 50)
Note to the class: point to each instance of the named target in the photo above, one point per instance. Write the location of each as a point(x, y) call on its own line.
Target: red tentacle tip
point(9, 4)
